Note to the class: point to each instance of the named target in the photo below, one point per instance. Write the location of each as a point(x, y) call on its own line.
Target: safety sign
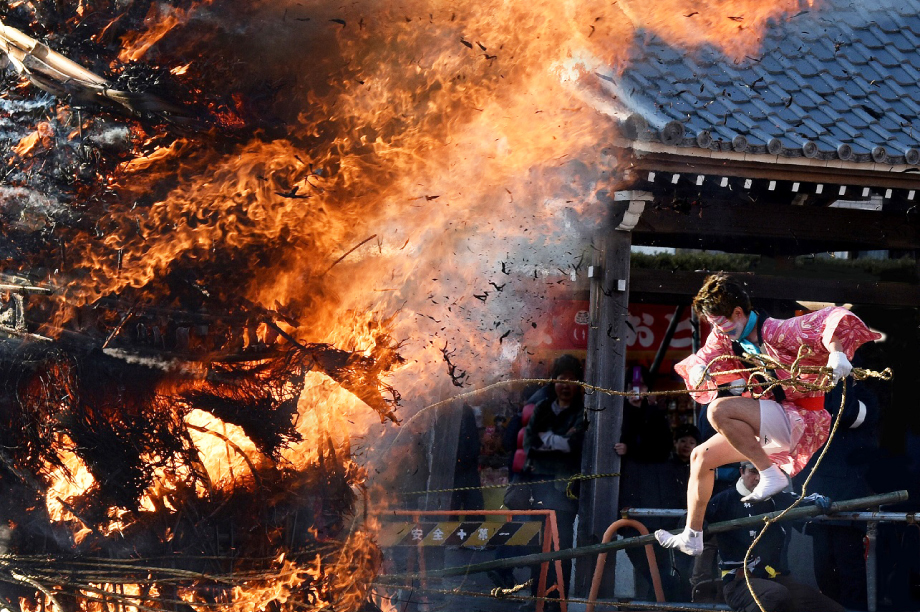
point(455, 533)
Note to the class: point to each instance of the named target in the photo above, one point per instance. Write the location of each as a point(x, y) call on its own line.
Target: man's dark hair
point(682, 431)
point(567, 364)
point(720, 295)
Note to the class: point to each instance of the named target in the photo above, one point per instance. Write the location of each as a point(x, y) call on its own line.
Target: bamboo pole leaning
point(584, 551)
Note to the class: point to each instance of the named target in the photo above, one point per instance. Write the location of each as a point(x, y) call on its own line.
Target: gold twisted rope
point(762, 365)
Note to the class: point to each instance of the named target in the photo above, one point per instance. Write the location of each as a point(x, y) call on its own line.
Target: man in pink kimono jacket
point(780, 431)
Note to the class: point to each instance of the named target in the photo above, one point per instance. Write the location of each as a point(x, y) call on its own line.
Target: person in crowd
point(553, 442)
point(781, 430)
point(650, 478)
point(767, 566)
point(686, 438)
point(646, 434)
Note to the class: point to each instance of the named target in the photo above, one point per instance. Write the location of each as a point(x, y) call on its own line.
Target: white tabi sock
point(689, 541)
point(772, 481)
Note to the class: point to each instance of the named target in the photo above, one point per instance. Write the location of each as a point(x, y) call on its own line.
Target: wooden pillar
point(606, 368)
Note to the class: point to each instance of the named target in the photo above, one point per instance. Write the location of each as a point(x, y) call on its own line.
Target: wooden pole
point(606, 368)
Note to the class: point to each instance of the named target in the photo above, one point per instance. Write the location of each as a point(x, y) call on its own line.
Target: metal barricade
point(872, 520)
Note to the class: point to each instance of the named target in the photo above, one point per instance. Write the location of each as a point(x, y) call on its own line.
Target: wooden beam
point(791, 229)
point(663, 162)
point(679, 287)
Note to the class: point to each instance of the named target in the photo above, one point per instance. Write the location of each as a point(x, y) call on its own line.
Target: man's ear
point(738, 311)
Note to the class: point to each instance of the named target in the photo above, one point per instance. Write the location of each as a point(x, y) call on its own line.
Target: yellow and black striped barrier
point(466, 534)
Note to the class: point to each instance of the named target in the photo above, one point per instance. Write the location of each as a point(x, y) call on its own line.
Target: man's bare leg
point(714, 452)
point(738, 420)
point(711, 454)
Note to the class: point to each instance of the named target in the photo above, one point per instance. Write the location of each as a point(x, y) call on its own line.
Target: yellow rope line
point(571, 480)
point(763, 364)
point(501, 593)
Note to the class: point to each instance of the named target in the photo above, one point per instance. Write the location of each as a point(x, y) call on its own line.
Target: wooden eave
point(650, 156)
point(679, 287)
point(775, 229)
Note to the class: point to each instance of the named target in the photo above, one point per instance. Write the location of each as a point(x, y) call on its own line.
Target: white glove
point(555, 442)
point(840, 365)
point(696, 375)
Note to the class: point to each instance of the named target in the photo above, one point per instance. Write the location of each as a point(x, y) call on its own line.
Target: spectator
point(770, 579)
point(660, 484)
point(552, 442)
point(686, 438)
point(646, 435)
point(468, 495)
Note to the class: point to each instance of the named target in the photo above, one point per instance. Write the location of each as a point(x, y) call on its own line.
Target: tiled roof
point(840, 81)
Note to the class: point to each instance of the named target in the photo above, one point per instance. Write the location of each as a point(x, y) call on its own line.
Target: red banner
point(647, 324)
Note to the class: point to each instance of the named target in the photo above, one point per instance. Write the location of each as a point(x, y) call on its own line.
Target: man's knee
point(701, 460)
point(719, 410)
point(724, 409)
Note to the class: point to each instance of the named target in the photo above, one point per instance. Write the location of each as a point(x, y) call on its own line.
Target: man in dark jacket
point(770, 579)
point(553, 441)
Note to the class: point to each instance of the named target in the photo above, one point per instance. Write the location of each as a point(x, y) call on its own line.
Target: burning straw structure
point(124, 399)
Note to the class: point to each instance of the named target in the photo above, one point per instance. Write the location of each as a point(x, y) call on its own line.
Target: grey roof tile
point(821, 117)
point(745, 120)
point(900, 76)
point(816, 99)
point(872, 71)
point(867, 89)
point(912, 72)
point(721, 78)
point(754, 112)
point(868, 37)
point(816, 128)
point(910, 36)
point(883, 134)
point(838, 136)
point(762, 106)
point(847, 71)
point(723, 132)
point(890, 122)
point(822, 51)
point(824, 84)
point(887, 58)
point(913, 107)
point(851, 131)
point(710, 118)
point(853, 91)
point(889, 91)
point(839, 103)
point(772, 65)
point(902, 44)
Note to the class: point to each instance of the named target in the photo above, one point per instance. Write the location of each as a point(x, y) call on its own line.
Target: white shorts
point(776, 429)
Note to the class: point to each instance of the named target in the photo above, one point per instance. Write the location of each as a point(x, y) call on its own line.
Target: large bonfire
point(233, 228)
